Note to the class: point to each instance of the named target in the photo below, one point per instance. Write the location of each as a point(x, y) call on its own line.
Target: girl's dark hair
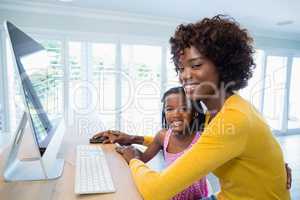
point(221, 40)
point(198, 116)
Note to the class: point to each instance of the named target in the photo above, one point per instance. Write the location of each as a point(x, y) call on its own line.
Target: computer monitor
point(32, 66)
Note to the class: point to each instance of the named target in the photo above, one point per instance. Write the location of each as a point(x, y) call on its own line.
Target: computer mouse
point(97, 140)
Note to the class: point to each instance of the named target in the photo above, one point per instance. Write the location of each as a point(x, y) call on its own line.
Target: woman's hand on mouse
point(129, 152)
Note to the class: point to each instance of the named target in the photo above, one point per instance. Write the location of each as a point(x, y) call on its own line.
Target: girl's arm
point(154, 147)
point(111, 136)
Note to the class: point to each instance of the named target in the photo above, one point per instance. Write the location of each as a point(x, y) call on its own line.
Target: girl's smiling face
point(178, 113)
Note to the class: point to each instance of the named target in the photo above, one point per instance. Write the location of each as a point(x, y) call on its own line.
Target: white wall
point(59, 21)
point(73, 25)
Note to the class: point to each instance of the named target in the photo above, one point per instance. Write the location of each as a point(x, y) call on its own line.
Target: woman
point(213, 58)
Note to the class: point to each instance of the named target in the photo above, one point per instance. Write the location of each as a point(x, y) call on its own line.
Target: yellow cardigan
point(237, 146)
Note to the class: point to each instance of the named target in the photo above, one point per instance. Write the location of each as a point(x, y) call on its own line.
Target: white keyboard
point(92, 172)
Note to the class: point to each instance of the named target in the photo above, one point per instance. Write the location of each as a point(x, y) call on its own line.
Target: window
point(103, 66)
point(1, 89)
point(76, 95)
point(54, 86)
point(1, 120)
point(75, 62)
point(140, 88)
point(1, 111)
point(77, 90)
point(274, 90)
point(172, 76)
point(294, 99)
point(112, 88)
point(92, 90)
point(253, 91)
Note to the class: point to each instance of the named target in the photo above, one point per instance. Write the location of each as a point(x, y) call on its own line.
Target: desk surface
point(63, 187)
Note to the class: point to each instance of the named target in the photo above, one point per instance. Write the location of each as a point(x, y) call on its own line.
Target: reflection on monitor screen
point(36, 66)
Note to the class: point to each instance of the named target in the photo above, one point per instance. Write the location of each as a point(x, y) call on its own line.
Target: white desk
point(63, 187)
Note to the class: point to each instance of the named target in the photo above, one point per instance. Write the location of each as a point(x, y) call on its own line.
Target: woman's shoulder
point(235, 118)
point(239, 106)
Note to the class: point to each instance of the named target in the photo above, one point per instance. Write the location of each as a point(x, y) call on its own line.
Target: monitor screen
point(33, 69)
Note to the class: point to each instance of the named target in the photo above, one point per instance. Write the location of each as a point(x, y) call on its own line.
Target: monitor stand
point(29, 169)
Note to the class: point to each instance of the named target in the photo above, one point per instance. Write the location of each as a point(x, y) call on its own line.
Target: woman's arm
point(224, 139)
point(147, 140)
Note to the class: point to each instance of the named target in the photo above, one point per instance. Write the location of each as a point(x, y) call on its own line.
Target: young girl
point(181, 129)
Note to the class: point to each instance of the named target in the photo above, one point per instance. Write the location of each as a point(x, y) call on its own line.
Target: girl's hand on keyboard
point(129, 152)
point(111, 136)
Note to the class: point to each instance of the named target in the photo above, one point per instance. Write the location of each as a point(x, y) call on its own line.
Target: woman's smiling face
point(197, 74)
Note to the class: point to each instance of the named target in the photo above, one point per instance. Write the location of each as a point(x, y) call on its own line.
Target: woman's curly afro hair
point(221, 40)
